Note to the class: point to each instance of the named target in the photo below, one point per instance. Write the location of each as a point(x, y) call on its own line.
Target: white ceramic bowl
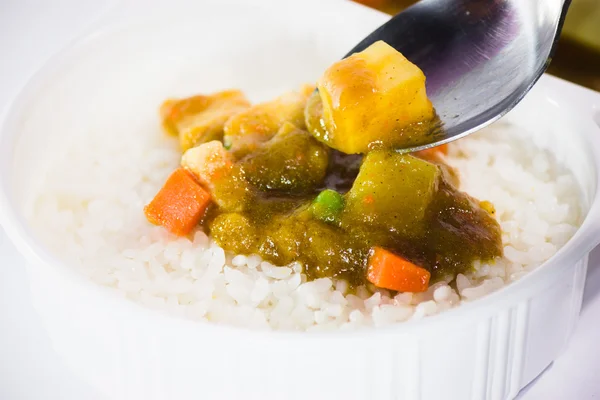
point(488, 349)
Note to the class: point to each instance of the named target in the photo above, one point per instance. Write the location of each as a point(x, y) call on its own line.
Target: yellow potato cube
point(371, 99)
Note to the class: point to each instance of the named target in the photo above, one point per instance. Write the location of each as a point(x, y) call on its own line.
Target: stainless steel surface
point(480, 56)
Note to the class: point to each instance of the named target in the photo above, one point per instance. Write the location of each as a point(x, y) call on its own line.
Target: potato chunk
point(200, 119)
point(375, 98)
point(245, 131)
point(391, 193)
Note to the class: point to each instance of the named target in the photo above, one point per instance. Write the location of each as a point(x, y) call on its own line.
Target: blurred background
point(577, 57)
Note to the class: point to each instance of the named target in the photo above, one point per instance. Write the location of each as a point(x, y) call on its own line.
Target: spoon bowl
point(480, 57)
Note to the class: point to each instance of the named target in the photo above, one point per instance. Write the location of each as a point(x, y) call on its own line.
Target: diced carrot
point(390, 271)
point(179, 204)
point(432, 152)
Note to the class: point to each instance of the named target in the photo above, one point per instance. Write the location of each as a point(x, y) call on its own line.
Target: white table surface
point(30, 31)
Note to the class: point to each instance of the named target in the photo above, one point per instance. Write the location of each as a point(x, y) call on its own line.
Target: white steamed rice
point(90, 212)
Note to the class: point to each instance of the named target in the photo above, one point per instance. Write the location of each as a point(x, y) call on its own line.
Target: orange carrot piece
point(390, 271)
point(179, 204)
point(433, 152)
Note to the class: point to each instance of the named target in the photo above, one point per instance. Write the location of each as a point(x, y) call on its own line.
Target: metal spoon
point(480, 57)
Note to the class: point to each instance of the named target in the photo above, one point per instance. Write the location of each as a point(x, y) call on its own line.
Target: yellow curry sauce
point(314, 177)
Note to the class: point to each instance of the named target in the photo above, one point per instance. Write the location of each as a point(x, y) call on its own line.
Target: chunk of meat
point(208, 162)
point(200, 118)
point(246, 130)
point(214, 167)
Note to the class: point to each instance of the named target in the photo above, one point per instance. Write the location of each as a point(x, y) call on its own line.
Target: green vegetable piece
point(391, 194)
point(327, 206)
point(291, 162)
